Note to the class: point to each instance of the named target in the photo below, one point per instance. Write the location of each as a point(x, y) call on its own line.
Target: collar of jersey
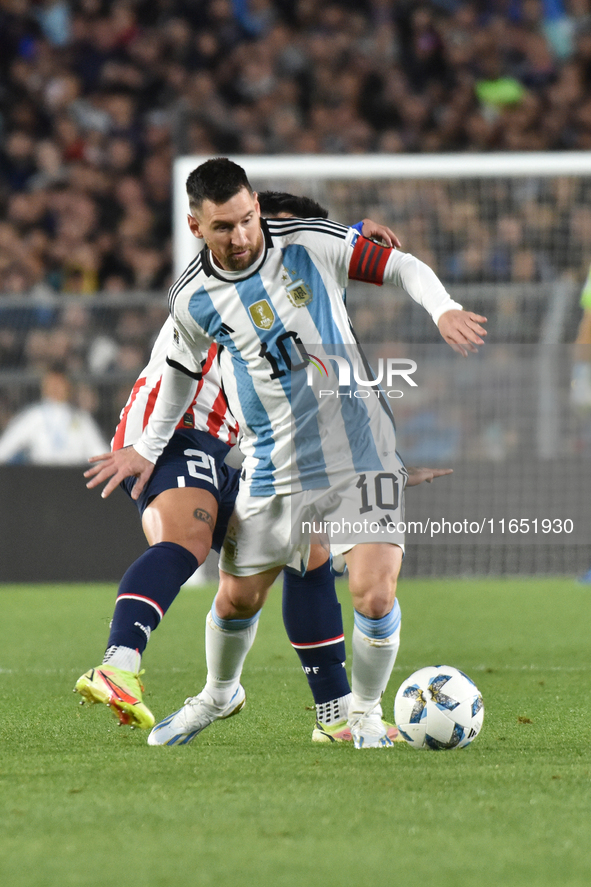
point(212, 270)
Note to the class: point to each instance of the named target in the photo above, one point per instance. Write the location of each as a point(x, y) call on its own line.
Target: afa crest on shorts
point(262, 314)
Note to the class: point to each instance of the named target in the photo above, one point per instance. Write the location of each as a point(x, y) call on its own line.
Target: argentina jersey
point(286, 342)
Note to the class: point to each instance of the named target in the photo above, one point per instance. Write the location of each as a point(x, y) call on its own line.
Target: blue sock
point(146, 591)
point(314, 625)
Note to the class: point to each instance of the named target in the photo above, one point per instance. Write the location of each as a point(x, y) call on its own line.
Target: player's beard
point(233, 262)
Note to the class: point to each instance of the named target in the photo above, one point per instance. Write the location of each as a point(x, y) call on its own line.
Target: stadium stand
point(98, 97)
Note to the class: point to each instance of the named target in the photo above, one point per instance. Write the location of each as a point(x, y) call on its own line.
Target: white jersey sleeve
point(177, 391)
point(420, 282)
point(374, 263)
point(189, 360)
point(205, 408)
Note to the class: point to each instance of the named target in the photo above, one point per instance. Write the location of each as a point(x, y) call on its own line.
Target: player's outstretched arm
point(416, 476)
point(373, 231)
point(118, 465)
point(377, 264)
point(462, 330)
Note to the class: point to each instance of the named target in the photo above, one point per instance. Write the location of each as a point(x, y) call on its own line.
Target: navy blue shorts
point(193, 459)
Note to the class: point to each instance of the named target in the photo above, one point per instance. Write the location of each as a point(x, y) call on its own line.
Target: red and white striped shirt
point(207, 411)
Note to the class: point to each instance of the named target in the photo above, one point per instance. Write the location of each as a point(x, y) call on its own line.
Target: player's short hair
point(217, 180)
point(274, 202)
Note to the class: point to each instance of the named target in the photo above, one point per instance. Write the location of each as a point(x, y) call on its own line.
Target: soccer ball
point(438, 707)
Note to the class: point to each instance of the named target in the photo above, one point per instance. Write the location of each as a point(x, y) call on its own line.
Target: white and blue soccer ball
point(438, 707)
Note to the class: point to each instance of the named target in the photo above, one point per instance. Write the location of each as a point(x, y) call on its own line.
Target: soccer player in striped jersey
point(268, 292)
point(185, 509)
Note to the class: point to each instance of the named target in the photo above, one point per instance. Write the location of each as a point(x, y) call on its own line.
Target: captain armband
point(368, 261)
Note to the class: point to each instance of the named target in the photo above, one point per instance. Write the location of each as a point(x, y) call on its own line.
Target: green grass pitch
point(253, 801)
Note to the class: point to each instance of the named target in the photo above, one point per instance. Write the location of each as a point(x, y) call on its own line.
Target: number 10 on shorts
point(385, 492)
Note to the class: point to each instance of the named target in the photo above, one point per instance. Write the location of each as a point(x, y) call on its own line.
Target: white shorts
point(273, 531)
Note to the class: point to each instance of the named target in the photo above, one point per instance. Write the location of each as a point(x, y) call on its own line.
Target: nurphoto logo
point(388, 370)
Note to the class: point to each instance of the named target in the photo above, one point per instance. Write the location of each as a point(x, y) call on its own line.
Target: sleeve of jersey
point(420, 282)
point(177, 390)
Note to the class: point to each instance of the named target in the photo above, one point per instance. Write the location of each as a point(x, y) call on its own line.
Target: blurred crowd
point(97, 97)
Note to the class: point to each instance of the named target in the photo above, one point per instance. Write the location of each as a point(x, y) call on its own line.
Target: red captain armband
point(368, 261)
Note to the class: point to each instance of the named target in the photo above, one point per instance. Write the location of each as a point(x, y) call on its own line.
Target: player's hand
point(418, 475)
point(117, 466)
point(462, 330)
point(374, 231)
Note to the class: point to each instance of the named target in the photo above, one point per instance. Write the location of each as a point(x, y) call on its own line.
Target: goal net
point(510, 236)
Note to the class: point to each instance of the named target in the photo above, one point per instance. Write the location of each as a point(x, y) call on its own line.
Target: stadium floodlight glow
point(272, 170)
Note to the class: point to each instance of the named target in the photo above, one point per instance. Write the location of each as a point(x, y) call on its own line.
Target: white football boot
point(368, 730)
point(197, 713)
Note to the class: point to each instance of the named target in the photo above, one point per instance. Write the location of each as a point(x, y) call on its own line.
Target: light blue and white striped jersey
point(279, 322)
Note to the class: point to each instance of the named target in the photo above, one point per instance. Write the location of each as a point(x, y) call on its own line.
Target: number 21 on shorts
point(198, 463)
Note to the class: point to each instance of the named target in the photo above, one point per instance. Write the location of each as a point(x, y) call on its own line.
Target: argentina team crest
point(262, 315)
point(298, 291)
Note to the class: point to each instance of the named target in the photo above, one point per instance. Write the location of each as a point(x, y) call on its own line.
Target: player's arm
point(373, 263)
point(350, 256)
point(177, 390)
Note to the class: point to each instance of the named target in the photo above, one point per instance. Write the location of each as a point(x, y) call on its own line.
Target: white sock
point(373, 657)
point(225, 652)
point(333, 711)
point(125, 658)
